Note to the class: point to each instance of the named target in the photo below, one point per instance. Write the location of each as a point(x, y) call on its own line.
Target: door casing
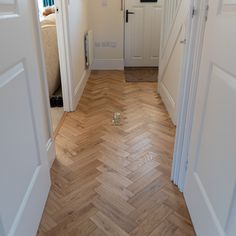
point(187, 93)
point(50, 143)
point(64, 53)
point(62, 26)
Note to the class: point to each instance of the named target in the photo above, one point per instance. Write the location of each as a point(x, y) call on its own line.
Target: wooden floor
point(115, 180)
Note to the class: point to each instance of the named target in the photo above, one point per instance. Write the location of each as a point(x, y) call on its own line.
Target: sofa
point(50, 48)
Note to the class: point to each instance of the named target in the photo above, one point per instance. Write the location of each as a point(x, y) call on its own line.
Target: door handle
point(183, 41)
point(127, 13)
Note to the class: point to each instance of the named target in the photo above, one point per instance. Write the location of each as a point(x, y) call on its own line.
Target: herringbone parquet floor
point(115, 180)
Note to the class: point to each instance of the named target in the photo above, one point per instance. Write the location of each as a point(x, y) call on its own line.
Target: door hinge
point(206, 12)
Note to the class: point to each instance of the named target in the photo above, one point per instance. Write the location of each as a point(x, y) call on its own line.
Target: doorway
point(142, 40)
point(50, 33)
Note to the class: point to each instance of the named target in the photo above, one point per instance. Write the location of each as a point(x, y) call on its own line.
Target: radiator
point(88, 45)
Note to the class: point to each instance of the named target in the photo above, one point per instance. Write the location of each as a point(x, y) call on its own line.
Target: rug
point(141, 74)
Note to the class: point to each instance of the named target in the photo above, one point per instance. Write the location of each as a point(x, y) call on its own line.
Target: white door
point(142, 33)
point(24, 170)
point(210, 189)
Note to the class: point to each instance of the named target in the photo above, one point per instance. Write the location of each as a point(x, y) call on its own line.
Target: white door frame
point(187, 93)
point(65, 67)
point(62, 26)
point(62, 21)
point(50, 143)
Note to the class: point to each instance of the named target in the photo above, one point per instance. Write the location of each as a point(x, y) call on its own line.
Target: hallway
point(115, 180)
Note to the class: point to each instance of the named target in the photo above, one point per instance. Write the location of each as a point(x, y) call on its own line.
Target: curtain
point(47, 3)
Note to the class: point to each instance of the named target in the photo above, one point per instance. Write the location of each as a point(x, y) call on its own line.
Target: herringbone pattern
point(115, 180)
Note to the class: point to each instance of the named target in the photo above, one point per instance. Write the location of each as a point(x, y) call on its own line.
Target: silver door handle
point(183, 41)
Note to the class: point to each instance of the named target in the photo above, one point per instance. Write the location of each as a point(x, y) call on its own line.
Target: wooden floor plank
point(115, 200)
point(147, 179)
point(123, 221)
point(106, 225)
point(165, 229)
point(115, 180)
point(152, 221)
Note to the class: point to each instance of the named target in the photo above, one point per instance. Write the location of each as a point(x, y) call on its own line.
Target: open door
point(210, 189)
point(24, 168)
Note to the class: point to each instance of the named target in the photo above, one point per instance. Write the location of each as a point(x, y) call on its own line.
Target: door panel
point(24, 169)
point(137, 27)
point(15, 80)
point(211, 180)
point(155, 33)
point(212, 150)
point(142, 33)
point(8, 7)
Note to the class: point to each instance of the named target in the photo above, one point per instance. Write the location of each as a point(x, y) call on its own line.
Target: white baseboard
point(108, 64)
point(51, 152)
point(168, 101)
point(80, 88)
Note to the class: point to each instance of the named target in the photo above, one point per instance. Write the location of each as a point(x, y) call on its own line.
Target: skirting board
point(168, 101)
point(50, 152)
point(80, 88)
point(108, 64)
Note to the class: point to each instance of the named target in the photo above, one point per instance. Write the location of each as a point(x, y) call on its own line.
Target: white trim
point(168, 100)
point(108, 64)
point(50, 152)
point(64, 53)
point(80, 88)
point(204, 208)
point(45, 84)
point(187, 94)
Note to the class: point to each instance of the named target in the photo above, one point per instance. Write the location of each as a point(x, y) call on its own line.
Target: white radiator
point(88, 42)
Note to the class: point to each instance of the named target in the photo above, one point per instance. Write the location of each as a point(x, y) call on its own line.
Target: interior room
point(124, 40)
point(123, 62)
point(48, 27)
point(123, 118)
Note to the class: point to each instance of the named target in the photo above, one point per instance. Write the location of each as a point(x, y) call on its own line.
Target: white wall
point(78, 26)
point(170, 80)
point(106, 21)
point(172, 51)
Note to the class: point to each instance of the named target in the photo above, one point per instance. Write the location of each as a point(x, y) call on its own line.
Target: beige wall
point(78, 26)
point(106, 21)
point(172, 51)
